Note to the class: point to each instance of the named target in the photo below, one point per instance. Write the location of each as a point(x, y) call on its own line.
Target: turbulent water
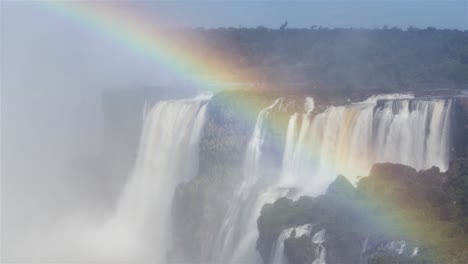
point(345, 140)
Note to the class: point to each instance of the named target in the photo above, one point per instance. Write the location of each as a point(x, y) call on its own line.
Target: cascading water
point(297, 156)
point(278, 256)
point(168, 155)
point(139, 230)
point(344, 140)
point(237, 236)
point(320, 252)
point(413, 132)
point(349, 139)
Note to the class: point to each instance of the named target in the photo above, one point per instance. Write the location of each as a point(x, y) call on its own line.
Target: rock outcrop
point(395, 215)
point(460, 125)
point(201, 204)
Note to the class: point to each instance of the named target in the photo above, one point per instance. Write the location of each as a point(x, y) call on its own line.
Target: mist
point(53, 162)
point(74, 101)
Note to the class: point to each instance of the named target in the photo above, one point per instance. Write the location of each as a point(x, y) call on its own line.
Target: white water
point(140, 228)
point(168, 155)
point(278, 256)
point(374, 98)
point(396, 247)
point(348, 140)
point(344, 140)
point(237, 236)
point(320, 251)
point(297, 159)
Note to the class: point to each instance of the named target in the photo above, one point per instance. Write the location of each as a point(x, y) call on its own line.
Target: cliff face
point(201, 204)
point(354, 220)
point(460, 124)
point(395, 215)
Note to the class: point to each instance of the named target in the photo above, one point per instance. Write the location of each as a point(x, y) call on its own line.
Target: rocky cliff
point(200, 205)
point(395, 215)
point(345, 212)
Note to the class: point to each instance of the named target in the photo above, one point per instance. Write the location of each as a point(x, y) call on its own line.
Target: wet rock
point(391, 212)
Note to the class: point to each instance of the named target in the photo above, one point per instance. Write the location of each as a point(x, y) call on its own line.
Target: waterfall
point(345, 140)
point(320, 251)
point(168, 155)
point(348, 140)
point(278, 256)
point(413, 132)
point(238, 233)
point(297, 157)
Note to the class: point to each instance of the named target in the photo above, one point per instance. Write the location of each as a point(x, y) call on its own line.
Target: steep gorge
point(304, 163)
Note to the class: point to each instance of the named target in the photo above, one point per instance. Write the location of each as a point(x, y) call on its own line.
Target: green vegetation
point(427, 209)
point(386, 59)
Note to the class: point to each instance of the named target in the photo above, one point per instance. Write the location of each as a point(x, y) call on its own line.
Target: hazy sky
point(368, 14)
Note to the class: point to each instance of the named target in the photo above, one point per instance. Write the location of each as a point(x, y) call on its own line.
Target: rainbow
point(205, 73)
point(140, 35)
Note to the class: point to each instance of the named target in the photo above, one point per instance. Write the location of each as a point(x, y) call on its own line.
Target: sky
point(303, 14)
point(53, 71)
